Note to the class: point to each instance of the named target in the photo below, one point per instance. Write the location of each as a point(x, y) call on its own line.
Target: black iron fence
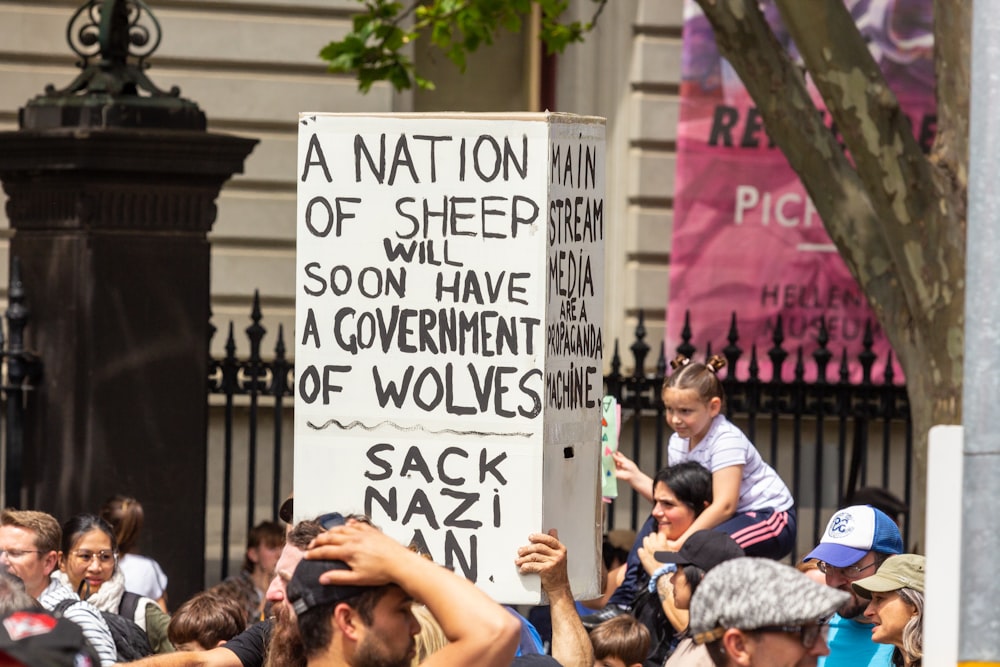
point(826, 438)
point(20, 368)
point(255, 379)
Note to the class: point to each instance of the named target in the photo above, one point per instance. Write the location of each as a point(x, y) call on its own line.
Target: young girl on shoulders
point(750, 502)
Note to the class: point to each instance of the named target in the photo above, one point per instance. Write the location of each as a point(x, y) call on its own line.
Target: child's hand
point(627, 471)
point(625, 468)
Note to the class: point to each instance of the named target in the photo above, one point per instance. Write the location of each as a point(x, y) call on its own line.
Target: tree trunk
point(897, 216)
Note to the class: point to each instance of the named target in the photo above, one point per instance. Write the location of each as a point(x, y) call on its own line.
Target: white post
point(944, 546)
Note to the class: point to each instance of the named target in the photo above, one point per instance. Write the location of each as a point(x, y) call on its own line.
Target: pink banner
point(746, 236)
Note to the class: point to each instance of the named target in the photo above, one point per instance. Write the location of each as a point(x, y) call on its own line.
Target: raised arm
point(480, 632)
point(545, 556)
point(217, 657)
point(627, 471)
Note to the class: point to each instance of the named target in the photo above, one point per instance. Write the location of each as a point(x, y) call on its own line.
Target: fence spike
point(732, 352)
point(890, 374)
point(230, 344)
point(867, 356)
point(822, 355)
point(279, 347)
point(777, 353)
point(686, 348)
point(661, 362)
point(640, 348)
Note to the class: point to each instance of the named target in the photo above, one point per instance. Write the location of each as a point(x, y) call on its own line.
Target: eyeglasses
point(87, 557)
point(18, 554)
point(807, 633)
point(852, 572)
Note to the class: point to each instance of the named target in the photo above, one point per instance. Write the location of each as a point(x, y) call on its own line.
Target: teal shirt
point(851, 645)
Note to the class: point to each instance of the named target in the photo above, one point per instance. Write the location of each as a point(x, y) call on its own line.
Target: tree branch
point(952, 63)
point(952, 59)
point(900, 180)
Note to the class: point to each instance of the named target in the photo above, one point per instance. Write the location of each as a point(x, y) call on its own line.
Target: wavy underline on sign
point(450, 431)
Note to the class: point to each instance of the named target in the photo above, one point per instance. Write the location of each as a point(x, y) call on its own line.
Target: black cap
point(704, 549)
point(40, 639)
point(305, 591)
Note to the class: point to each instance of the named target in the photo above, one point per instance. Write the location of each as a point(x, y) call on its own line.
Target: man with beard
point(856, 542)
point(353, 595)
point(274, 640)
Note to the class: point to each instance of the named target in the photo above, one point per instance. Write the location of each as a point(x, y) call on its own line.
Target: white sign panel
point(448, 333)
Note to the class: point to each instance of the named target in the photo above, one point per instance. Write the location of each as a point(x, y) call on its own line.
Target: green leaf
point(374, 49)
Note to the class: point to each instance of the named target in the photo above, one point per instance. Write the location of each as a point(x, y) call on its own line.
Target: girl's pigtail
point(680, 361)
point(716, 363)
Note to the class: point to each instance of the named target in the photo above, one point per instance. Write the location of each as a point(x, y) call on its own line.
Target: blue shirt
point(851, 645)
point(531, 641)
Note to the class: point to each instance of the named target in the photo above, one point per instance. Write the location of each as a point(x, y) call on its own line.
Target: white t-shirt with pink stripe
point(726, 445)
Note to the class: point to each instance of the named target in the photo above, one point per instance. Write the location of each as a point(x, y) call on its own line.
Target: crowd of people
point(701, 584)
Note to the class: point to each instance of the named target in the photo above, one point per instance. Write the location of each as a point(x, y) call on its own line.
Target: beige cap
point(902, 571)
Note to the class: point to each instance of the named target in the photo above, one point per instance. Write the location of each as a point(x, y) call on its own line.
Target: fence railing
point(20, 369)
point(799, 419)
point(256, 379)
point(798, 426)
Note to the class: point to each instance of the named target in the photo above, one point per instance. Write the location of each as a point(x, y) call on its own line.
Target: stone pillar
point(111, 197)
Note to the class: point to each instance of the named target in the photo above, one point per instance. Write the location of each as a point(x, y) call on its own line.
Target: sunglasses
point(851, 572)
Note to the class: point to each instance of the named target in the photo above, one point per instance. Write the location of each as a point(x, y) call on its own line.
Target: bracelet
point(662, 570)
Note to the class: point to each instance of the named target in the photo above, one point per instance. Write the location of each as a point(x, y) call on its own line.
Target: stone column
point(111, 196)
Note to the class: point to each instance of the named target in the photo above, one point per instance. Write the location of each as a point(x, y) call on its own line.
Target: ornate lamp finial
point(113, 39)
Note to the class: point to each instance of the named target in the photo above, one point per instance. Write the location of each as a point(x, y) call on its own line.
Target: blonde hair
point(431, 636)
point(48, 534)
point(913, 632)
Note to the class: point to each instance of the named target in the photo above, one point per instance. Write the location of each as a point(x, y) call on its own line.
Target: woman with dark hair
point(143, 575)
point(680, 494)
point(89, 566)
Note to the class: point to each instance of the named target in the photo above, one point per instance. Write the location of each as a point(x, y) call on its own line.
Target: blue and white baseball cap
point(854, 531)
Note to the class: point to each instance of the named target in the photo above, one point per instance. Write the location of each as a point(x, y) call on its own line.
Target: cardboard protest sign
point(449, 344)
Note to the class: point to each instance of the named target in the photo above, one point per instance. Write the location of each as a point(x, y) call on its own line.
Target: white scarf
point(107, 597)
